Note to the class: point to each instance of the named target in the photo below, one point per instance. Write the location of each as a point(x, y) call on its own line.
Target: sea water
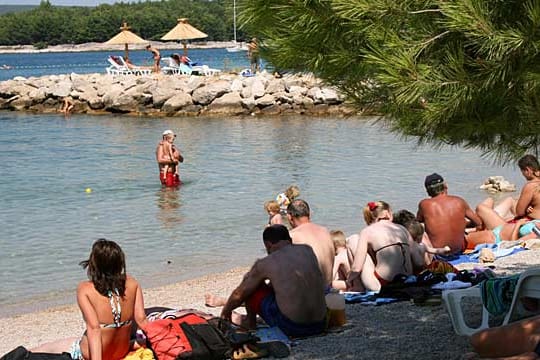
point(211, 223)
point(40, 64)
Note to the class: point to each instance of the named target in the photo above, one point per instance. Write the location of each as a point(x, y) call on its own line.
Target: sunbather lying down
point(519, 340)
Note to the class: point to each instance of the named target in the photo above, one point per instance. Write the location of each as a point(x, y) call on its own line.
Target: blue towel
point(473, 257)
point(267, 334)
point(367, 298)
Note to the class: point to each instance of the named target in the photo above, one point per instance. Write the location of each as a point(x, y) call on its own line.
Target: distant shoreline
point(94, 46)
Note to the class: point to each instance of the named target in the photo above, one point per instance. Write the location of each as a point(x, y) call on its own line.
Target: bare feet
point(214, 301)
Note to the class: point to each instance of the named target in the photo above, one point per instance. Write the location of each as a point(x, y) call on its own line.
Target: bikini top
point(401, 247)
point(114, 300)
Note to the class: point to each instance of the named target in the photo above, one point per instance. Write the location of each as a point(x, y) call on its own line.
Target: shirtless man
point(528, 204)
point(445, 216)
point(164, 161)
point(382, 252)
point(318, 237)
point(293, 300)
point(156, 56)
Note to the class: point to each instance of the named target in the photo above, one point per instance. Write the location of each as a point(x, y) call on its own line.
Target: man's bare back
point(318, 237)
point(297, 282)
point(444, 217)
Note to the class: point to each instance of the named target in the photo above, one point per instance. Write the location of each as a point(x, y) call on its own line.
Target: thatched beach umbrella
point(183, 31)
point(125, 37)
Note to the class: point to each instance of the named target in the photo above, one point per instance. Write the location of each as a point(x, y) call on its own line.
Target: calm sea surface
point(214, 221)
point(211, 223)
point(95, 62)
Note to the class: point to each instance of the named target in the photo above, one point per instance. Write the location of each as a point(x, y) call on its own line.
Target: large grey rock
point(37, 96)
point(330, 96)
point(61, 89)
point(112, 93)
point(230, 103)
point(237, 85)
point(266, 100)
point(298, 90)
point(275, 86)
point(177, 102)
point(92, 98)
point(123, 103)
point(257, 88)
point(206, 94)
point(162, 94)
point(249, 103)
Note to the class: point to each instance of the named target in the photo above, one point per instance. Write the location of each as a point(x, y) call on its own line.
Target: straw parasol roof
point(183, 31)
point(125, 37)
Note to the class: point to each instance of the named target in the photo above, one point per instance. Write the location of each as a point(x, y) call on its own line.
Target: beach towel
point(273, 333)
point(473, 256)
point(367, 298)
point(497, 294)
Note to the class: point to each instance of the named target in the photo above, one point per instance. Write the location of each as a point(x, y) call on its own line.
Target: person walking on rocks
point(157, 58)
point(253, 55)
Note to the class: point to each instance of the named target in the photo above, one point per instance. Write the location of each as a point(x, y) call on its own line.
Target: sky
point(60, 2)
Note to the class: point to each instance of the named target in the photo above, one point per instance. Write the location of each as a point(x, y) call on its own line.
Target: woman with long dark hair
point(109, 301)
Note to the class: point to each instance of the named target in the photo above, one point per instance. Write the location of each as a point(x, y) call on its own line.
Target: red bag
point(167, 339)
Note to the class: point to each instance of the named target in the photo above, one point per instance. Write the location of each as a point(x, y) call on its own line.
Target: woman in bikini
point(383, 250)
point(110, 301)
point(526, 206)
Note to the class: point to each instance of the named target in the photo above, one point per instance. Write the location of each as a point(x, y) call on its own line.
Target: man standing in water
point(445, 216)
point(316, 236)
point(167, 160)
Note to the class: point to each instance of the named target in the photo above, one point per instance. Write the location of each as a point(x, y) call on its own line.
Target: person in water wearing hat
point(168, 157)
point(293, 299)
point(445, 217)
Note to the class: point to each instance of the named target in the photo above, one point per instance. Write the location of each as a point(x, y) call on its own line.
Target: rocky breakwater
point(173, 95)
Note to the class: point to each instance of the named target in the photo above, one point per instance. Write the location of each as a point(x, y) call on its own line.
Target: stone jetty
point(174, 95)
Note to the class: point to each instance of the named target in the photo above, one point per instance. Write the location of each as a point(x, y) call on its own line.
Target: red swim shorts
point(169, 180)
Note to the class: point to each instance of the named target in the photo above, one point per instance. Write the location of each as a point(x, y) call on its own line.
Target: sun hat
point(168, 132)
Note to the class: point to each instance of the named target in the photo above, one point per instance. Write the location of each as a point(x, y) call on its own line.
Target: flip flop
point(249, 351)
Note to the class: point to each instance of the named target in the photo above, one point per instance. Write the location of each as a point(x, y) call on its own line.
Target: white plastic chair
point(528, 285)
point(452, 301)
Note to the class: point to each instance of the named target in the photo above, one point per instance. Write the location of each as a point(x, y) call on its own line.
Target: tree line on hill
point(52, 25)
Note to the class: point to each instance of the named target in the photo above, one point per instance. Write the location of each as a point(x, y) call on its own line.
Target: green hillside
point(52, 25)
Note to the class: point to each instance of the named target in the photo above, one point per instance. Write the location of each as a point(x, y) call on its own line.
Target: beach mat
point(367, 298)
point(474, 256)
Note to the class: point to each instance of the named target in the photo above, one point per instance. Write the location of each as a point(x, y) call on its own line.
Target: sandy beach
point(395, 331)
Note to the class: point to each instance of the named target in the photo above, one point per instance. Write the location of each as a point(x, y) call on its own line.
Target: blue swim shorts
point(271, 314)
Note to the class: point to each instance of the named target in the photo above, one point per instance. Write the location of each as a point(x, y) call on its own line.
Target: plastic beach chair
point(528, 285)
point(116, 67)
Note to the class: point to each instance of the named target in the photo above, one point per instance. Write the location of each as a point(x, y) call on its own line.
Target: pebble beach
point(399, 330)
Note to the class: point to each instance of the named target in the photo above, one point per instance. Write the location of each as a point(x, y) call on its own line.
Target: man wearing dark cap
point(445, 216)
point(293, 299)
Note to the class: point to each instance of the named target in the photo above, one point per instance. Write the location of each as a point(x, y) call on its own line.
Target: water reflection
point(169, 203)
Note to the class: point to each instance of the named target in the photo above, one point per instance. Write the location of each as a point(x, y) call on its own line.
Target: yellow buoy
point(88, 190)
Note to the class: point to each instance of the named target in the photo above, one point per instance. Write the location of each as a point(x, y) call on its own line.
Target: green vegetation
point(52, 25)
point(462, 72)
point(4, 9)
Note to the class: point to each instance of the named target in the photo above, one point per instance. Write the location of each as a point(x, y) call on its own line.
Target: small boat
point(237, 46)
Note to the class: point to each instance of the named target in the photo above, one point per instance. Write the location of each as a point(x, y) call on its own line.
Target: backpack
point(186, 334)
